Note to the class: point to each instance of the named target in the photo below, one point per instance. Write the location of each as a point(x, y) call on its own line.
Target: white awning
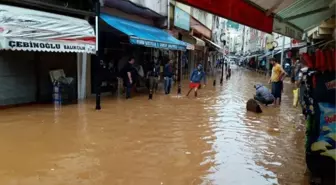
point(31, 30)
point(199, 42)
point(217, 46)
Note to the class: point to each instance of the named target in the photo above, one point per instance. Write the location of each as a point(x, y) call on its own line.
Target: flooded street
point(209, 140)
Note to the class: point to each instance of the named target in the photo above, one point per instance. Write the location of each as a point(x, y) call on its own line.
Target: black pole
point(222, 75)
point(98, 80)
point(215, 75)
point(179, 67)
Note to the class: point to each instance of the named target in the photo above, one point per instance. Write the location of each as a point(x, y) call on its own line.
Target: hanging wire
point(327, 43)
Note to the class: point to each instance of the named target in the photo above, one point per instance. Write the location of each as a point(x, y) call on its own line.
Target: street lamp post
point(179, 67)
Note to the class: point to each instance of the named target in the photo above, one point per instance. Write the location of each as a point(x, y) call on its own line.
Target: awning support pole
point(282, 49)
point(222, 73)
point(97, 78)
point(179, 67)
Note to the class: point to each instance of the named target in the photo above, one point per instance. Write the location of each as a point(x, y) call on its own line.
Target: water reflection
point(170, 140)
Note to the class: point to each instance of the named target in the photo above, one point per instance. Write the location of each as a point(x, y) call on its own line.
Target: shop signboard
point(31, 30)
point(233, 25)
point(153, 44)
point(181, 19)
point(190, 47)
point(269, 42)
point(287, 30)
point(36, 45)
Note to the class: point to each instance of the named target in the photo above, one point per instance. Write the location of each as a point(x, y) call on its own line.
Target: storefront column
point(81, 75)
point(98, 57)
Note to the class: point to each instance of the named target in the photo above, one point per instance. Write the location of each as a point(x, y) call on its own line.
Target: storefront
point(215, 49)
point(122, 38)
point(32, 43)
point(200, 32)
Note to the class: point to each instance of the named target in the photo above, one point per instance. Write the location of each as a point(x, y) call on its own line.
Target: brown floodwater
point(170, 140)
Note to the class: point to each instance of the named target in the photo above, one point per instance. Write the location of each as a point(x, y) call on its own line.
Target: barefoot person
point(276, 80)
point(195, 79)
point(263, 95)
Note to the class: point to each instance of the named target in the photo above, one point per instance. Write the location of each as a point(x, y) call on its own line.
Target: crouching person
point(263, 95)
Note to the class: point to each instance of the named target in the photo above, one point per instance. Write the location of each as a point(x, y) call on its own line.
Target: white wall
point(183, 7)
point(218, 28)
point(159, 6)
point(255, 44)
point(203, 17)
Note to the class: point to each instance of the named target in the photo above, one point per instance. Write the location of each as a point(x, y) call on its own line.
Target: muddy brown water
point(170, 140)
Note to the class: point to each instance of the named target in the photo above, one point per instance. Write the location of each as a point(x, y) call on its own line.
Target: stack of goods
point(318, 104)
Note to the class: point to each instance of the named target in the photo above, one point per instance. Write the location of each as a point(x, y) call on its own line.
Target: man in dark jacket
point(128, 75)
point(168, 74)
point(263, 95)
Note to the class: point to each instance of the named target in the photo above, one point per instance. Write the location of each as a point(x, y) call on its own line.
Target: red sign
point(235, 10)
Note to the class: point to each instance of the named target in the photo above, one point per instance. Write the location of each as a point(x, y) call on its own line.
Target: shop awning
point(199, 42)
point(31, 30)
point(215, 45)
point(144, 35)
point(193, 42)
point(294, 17)
point(236, 10)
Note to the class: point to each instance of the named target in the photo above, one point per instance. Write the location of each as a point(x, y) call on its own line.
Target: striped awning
point(30, 30)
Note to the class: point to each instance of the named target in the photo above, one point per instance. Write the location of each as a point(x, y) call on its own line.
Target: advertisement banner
point(30, 30)
point(181, 19)
point(269, 42)
point(236, 10)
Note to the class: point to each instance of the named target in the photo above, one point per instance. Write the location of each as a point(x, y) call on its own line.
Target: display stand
point(318, 105)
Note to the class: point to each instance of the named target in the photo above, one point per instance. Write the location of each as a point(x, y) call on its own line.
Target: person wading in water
point(276, 80)
point(168, 76)
point(128, 73)
point(153, 75)
point(195, 79)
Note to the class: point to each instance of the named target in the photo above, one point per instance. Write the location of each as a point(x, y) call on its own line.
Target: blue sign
point(181, 19)
point(154, 44)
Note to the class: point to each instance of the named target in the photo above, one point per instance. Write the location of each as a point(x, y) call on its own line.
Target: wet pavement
point(170, 140)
